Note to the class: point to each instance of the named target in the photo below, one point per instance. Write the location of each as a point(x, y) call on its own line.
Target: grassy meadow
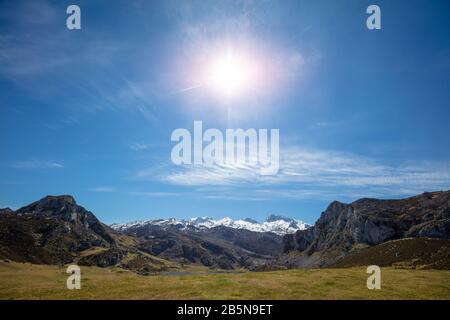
point(27, 281)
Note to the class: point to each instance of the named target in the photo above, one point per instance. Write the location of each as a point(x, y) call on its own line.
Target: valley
point(412, 232)
point(207, 259)
point(30, 281)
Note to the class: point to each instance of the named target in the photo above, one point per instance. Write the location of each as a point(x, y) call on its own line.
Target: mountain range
point(277, 224)
point(412, 232)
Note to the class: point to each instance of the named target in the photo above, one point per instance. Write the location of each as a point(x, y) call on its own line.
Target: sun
point(231, 74)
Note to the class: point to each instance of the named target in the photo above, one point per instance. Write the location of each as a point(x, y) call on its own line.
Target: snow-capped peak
point(276, 224)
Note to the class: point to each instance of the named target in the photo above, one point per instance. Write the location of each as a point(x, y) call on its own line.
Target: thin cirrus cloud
point(154, 194)
point(139, 146)
point(102, 189)
point(37, 164)
point(45, 66)
point(311, 174)
point(106, 189)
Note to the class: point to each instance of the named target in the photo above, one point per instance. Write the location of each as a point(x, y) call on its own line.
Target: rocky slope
point(409, 253)
point(219, 247)
point(55, 230)
point(344, 228)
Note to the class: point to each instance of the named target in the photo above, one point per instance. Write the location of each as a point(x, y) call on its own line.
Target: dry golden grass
point(26, 281)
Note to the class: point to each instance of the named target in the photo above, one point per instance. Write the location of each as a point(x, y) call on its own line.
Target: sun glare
point(231, 74)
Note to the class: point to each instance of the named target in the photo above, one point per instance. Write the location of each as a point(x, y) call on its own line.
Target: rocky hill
point(409, 253)
point(55, 230)
point(346, 228)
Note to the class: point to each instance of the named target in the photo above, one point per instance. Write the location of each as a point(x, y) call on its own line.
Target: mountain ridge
point(277, 224)
point(56, 230)
point(343, 228)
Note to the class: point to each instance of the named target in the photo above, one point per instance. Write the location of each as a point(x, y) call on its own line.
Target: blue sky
point(90, 112)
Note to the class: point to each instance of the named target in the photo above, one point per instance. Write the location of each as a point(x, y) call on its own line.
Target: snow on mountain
point(276, 224)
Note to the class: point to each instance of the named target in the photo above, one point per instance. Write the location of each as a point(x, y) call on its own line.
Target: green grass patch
point(27, 281)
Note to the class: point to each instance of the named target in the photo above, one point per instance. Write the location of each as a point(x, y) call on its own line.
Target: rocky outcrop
point(56, 230)
point(366, 222)
point(75, 222)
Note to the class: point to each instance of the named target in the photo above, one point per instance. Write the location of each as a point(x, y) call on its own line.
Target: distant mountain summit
point(274, 223)
point(274, 217)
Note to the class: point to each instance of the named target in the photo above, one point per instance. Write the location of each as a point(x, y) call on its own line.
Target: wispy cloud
point(308, 174)
point(102, 189)
point(139, 146)
point(154, 194)
point(37, 164)
point(37, 55)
